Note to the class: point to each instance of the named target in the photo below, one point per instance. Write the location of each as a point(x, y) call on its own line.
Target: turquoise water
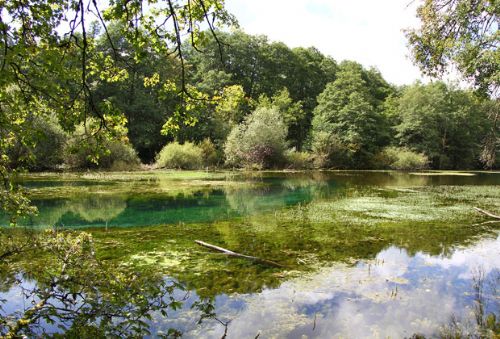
point(158, 200)
point(364, 254)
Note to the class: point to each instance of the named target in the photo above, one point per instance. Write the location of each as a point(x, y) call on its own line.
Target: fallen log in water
point(238, 255)
point(489, 214)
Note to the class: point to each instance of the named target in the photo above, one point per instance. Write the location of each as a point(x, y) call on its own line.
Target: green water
point(365, 254)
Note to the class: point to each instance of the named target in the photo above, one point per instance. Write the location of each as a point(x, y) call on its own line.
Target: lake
point(362, 253)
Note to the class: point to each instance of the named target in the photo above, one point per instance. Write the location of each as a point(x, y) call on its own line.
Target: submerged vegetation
point(304, 221)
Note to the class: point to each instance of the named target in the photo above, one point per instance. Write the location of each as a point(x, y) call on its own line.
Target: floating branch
point(238, 255)
point(489, 214)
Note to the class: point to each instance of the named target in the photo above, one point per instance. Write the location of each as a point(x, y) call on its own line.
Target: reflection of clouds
point(485, 255)
point(395, 262)
point(402, 316)
point(362, 301)
point(15, 298)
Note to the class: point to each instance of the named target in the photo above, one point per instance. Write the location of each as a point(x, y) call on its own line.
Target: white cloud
point(484, 257)
point(370, 32)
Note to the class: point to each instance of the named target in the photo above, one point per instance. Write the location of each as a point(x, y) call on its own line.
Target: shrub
point(400, 158)
point(185, 156)
point(122, 156)
point(328, 151)
point(117, 155)
point(258, 142)
point(210, 155)
point(298, 160)
point(45, 148)
point(49, 149)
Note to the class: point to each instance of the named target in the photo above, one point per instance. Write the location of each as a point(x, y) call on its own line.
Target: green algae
point(302, 220)
point(392, 205)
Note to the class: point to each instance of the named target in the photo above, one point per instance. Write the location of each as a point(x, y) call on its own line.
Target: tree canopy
point(349, 110)
point(459, 33)
point(52, 63)
point(463, 35)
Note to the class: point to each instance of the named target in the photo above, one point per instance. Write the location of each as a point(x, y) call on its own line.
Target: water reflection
point(97, 209)
point(393, 295)
point(155, 200)
point(104, 207)
point(396, 295)
point(368, 253)
point(57, 286)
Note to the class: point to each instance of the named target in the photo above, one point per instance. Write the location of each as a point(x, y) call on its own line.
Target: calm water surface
point(159, 200)
point(367, 254)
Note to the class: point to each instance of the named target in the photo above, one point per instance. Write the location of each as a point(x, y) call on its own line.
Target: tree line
point(259, 104)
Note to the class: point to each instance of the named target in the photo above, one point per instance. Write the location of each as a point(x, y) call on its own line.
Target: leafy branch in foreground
point(76, 292)
point(459, 33)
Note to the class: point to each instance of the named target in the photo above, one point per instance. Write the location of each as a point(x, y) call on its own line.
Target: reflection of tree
point(98, 207)
point(81, 295)
point(49, 214)
point(309, 187)
point(90, 208)
point(260, 198)
point(249, 200)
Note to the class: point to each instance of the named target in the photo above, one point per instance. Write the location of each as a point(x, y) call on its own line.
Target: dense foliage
point(461, 33)
point(349, 111)
point(259, 141)
point(175, 155)
point(357, 112)
point(463, 36)
point(400, 159)
point(118, 156)
point(357, 115)
point(446, 124)
point(58, 58)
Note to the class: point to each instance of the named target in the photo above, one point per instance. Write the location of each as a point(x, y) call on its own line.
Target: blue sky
point(368, 31)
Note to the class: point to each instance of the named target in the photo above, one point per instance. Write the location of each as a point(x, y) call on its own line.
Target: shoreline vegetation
point(269, 107)
point(315, 113)
point(181, 173)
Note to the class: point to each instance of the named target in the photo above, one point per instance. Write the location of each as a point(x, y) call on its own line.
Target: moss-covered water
point(365, 253)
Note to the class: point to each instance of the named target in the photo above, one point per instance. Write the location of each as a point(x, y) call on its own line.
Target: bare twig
point(238, 255)
point(489, 214)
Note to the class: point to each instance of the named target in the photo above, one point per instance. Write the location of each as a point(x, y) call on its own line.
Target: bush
point(121, 157)
point(44, 151)
point(259, 142)
point(185, 156)
point(210, 155)
point(328, 151)
point(400, 158)
point(49, 149)
point(298, 160)
point(116, 155)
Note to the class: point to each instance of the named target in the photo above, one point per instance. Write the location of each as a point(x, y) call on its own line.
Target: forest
point(257, 104)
